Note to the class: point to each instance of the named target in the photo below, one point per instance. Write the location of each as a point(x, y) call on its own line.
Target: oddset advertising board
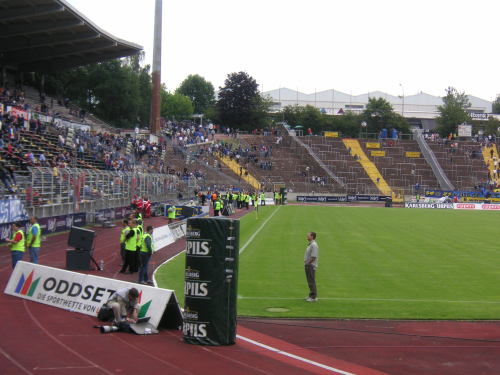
point(85, 294)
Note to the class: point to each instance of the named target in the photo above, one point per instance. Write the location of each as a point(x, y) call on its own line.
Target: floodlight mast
point(156, 74)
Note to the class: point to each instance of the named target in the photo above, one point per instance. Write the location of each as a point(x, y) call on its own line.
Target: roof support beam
point(38, 27)
point(72, 62)
point(22, 43)
point(51, 53)
point(29, 11)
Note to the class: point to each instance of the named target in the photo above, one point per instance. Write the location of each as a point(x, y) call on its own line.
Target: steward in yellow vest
point(172, 210)
point(145, 253)
point(218, 207)
point(123, 232)
point(131, 237)
point(34, 239)
point(17, 244)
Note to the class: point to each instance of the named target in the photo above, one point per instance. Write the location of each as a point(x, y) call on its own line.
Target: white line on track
point(258, 230)
point(62, 344)
point(298, 358)
point(370, 299)
point(62, 368)
point(9, 357)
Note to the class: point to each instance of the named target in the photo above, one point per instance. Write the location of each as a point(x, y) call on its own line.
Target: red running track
point(40, 339)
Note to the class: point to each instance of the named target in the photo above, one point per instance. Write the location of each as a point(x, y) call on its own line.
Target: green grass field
point(373, 263)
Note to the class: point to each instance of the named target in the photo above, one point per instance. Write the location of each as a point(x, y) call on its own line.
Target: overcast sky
point(354, 46)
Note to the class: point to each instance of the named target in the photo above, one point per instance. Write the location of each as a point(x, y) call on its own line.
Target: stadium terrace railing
point(51, 192)
point(429, 155)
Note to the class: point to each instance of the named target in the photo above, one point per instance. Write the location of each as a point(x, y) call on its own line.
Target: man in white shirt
point(310, 265)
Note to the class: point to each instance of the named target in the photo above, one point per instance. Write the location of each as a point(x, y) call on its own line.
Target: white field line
point(241, 250)
point(296, 357)
point(371, 299)
point(165, 262)
point(258, 230)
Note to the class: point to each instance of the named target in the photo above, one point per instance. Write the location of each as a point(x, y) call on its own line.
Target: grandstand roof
point(51, 35)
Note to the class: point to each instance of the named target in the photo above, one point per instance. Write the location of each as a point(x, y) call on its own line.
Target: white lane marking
point(55, 339)
point(370, 299)
point(6, 355)
point(298, 358)
point(258, 230)
point(241, 250)
point(165, 262)
point(61, 368)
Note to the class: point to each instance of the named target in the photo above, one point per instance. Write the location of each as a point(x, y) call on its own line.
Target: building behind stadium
point(420, 109)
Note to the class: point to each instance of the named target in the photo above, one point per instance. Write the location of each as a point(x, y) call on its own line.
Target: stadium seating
point(336, 156)
point(401, 172)
point(370, 168)
point(290, 165)
point(463, 163)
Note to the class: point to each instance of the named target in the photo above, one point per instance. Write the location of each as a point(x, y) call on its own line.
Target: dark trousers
point(130, 261)
point(16, 256)
point(143, 269)
point(311, 280)
point(122, 252)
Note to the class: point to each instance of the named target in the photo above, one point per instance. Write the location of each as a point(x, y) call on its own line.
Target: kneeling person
point(124, 304)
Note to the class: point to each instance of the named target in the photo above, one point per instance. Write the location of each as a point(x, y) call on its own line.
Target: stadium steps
point(369, 167)
point(291, 165)
point(488, 160)
point(240, 171)
point(335, 155)
point(48, 143)
point(400, 171)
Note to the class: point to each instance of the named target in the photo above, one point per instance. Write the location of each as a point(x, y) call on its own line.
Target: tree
point(200, 91)
point(349, 124)
point(118, 91)
point(175, 106)
point(308, 117)
point(453, 112)
point(492, 126)
point(240, 104)
point(379, 114)
point(495, 108)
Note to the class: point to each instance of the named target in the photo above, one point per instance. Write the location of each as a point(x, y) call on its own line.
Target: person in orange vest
point(213, 198)
point(17, 244)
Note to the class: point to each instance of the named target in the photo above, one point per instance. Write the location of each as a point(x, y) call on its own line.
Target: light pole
point(363, 126)
point(403, 109)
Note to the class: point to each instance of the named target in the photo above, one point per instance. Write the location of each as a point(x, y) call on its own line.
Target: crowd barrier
point(460, 194)
point(116, 213)
point(48, 224)
point(455, 206)
point(183, 212)
point(343, 198)
point(12, 210)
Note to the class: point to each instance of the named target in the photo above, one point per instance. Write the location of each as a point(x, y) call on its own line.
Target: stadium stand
point(336, 156)
point(490, 156)
point(276, 160)
point(370, 168)
point(462, 161)
point(401, 171)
